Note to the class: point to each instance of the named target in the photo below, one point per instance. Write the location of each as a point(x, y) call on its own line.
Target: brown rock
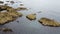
point(31, 16)
point(6, 30)
point(10, 15)
point(49, 22)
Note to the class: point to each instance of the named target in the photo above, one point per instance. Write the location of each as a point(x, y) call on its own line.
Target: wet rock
point(49, 22)
point(21, 8)
point(10, 15)
point(7, 1)
point(39, 12)
point(1, 2)
point(10, 9)
point(12, 2)
point(4, 18)
point(21, 4)
point(20, 1)
point(15, 14)
point(6, 30)
point(2, 7)
point(31, 16)
point(5, 4)
point(17, 21)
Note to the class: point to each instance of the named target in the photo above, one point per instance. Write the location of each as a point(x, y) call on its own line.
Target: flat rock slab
point(31, 16)
point(49, 22)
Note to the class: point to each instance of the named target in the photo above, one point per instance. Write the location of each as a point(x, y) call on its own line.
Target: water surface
point(48, 8)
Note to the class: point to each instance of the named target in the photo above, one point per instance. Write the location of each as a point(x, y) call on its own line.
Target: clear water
point(48, 8)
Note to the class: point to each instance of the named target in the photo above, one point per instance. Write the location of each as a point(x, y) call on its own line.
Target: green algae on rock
point(49, 22)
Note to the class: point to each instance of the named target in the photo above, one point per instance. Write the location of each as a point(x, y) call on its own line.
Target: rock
point(5, 4)
point(12, 2)
point(21, 4)
point(6, 30)
point(17, 21)
point(39, 12)
point(1, 2)
point(49, 22)
point(21, 8)
point(10, 15)
point(2, 7)
point(31, 16)
point(7, 1)
point(15, 14)
point(10, 9)
point(5, 18)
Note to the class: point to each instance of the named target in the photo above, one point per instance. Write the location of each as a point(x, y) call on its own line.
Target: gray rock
point(1, 2)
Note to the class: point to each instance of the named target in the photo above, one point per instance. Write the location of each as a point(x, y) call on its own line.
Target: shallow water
point(48, 8)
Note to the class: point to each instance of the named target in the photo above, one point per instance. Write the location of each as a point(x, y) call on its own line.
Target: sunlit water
point(48, 8)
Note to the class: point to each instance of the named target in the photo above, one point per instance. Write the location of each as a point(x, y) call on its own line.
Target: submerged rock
point(7, 1)
point(39, 12)
point(1, 2)
point(12, 2)
point(31, 16)
point(5, 4)
point(21, 4)
point(21, 8)
point(17, 21)
point(6, 30)
point(49, 22)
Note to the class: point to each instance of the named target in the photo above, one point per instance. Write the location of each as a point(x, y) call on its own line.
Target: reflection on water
point(49, 8)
